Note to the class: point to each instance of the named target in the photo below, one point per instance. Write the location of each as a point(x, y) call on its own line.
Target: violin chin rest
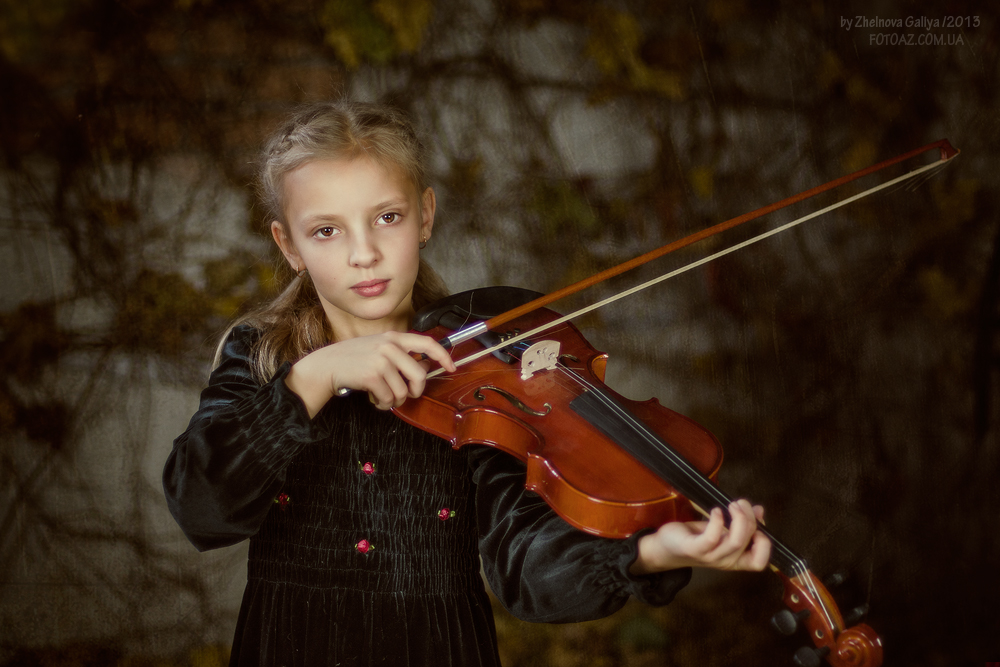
point(475, 305)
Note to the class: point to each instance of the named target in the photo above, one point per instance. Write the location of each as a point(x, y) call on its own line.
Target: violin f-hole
point(514, 400)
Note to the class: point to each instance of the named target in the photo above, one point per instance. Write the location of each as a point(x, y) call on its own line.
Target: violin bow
point(947, 152)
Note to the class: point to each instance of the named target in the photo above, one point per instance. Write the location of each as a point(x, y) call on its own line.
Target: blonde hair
point(294, 323)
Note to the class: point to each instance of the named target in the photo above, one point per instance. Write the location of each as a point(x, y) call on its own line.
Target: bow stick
point(947, 152)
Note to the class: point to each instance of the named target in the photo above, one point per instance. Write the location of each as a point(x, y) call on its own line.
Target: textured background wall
point(849, 367)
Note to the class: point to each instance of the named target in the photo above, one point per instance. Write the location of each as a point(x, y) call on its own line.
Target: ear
point(286, 246)
point(428, 205)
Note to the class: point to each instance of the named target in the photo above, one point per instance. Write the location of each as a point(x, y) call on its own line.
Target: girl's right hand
point(383, 365)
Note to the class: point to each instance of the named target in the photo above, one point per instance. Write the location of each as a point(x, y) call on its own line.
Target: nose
point(364, 252)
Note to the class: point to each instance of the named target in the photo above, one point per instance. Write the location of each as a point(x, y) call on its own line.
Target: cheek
point(410, 260)
point(323, 266)
point(404, 247)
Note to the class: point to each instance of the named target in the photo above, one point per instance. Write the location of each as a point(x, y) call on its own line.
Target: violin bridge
point(542, 356)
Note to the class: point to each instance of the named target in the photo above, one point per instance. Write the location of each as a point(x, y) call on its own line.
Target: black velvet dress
point(366, 533)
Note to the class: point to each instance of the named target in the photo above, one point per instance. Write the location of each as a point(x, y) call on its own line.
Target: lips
point(369, 288)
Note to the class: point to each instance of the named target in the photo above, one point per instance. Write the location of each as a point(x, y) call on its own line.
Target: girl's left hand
point(707, 543)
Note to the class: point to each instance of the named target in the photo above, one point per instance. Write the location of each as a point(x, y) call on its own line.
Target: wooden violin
point(531, 385)
point(608, 465)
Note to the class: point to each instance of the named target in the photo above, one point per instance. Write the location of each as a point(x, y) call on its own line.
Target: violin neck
point(603, 411)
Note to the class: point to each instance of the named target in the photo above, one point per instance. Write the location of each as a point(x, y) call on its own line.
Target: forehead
point(343, 184)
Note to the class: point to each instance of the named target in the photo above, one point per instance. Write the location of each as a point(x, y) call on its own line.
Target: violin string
point(798, 567)
point(693, 475)
point(711, 491)
point(693, 265)
point(797, 564)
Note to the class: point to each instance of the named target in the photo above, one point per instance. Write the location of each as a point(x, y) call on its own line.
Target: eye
point(326, 232)
point(388, 218)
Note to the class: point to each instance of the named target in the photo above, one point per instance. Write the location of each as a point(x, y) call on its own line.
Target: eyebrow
point(391, 202)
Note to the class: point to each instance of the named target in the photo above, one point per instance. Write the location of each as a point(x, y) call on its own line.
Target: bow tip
point(947, 150)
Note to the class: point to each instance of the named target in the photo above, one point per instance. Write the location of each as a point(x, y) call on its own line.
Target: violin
point(608, 465)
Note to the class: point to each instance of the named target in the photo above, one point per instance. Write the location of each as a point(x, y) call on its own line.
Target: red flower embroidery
point(446, 514)
point(367, 468)
point(364, 546)
point(283, 500)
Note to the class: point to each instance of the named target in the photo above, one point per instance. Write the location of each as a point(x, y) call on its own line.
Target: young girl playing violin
point(366, 534)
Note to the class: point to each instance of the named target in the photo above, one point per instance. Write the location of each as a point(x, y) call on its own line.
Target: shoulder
point(239, 341)
point(235, 354)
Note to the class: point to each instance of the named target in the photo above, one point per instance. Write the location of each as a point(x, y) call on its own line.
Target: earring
point(423, 242)
point(302, 272)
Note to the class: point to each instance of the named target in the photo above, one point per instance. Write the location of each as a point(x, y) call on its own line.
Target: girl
point(365, 533)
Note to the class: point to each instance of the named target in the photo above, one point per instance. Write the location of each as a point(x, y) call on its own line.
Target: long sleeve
point(541, 568)
point(225, 470)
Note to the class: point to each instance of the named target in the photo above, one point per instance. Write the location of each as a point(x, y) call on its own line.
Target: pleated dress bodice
point(369, 553)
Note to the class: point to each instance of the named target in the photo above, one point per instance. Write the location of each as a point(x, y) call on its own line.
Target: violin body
point(608, 465)
point(581, 473)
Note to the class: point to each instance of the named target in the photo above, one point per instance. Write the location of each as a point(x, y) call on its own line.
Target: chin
point(383, 307)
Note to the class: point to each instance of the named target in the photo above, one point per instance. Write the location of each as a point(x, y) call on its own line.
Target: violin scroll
point(812, 606)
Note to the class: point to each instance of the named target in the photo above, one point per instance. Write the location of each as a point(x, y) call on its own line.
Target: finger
point(410, 373)
point(742, 524)
point(399, 386)
point(430, 347)
point(731, 546)
point(712, 535)
point(758, 556)
point(752, 547)
point(380, 397)
point(761, 550)
point(749, 512)
point(382, 380)
point(750, 516)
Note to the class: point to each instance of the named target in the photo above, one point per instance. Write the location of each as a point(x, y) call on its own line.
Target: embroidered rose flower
point(364, 546)
point(367, 468)
point(283, 500)
point(446, 514)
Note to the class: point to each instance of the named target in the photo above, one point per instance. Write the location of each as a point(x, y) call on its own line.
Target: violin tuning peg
point(787, 622)
point(836, 579)
point(807, 656)
point(855, 615)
